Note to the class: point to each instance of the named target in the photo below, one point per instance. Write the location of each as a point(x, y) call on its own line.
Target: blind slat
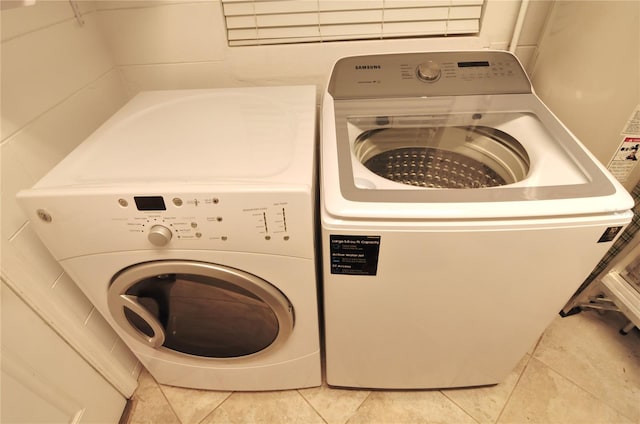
point(468, 12)
point(411, 28)
point(236, 9)
point(282, 20)
point(463, 26)
point(416, 14)
point(336, 5)
point(289, 32)
point(285, 6)
point(350, 17)
point(351, 30)
point(402, 4)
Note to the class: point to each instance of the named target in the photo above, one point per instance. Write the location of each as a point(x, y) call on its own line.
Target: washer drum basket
point(443, 157)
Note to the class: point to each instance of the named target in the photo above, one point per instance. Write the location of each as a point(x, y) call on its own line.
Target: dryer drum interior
point(443, 157)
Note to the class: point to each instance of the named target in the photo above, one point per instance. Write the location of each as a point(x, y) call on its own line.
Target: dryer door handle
point(131, 302)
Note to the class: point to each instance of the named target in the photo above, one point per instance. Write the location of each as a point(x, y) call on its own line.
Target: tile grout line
point(515, 386)
point(167, 3)
point(22, 228)
point(459, 406)
point(526, 365)
point(214, 409)
point(605, 402)
point(576, 383)
point(312, 407)
point(159, 386)
point(359, 406)
point(58, 103)
point(46, 27)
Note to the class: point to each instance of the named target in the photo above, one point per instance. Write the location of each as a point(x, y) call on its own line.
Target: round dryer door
point(200, 309)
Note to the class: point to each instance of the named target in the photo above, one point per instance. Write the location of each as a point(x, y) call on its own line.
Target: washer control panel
point(254, 221)
point(428, 74)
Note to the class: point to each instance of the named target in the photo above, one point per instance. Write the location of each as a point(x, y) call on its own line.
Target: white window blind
point(254, 22)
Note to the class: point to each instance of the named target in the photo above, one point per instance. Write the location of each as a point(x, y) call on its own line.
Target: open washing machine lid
point(453, 135)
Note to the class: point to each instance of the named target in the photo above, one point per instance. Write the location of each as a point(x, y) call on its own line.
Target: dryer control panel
point(195, 217)
point(428, 74)
point(253, 221)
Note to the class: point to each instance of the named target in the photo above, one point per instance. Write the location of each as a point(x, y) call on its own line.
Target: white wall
point(182, 44)
point(588, 71)
point(59, 83)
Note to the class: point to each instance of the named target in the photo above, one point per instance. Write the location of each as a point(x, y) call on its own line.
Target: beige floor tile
point(192, 406)
point(336, 406)
point(150, 406)
point(424, 407)
point(484, 404)
point(587, 349)
point(544, 396)
point(581, 371)
point(286, 407)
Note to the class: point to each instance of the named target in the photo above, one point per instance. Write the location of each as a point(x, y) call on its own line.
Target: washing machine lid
point(253, 134)
point(473, 142)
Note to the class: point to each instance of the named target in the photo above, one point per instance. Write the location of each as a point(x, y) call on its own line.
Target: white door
point(43, 379)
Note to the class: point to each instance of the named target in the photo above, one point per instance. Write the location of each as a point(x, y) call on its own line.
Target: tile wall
point(59, 83)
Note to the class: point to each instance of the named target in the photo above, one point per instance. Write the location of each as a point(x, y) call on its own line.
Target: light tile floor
point(581, 371)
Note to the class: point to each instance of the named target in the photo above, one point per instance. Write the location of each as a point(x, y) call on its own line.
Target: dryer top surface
point(257, 135)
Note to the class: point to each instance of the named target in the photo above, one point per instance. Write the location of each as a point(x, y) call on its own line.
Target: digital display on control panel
point(473, 64)
point(150, 203)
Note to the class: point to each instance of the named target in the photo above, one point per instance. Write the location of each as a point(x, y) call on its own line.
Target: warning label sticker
point(354, 255)
point(609, 234)
point(626, 157)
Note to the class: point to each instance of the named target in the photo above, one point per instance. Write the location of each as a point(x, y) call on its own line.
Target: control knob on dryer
point(159, 235)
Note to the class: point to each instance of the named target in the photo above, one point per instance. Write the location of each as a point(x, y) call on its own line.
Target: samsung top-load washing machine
point(188, 220)
point(458, 215)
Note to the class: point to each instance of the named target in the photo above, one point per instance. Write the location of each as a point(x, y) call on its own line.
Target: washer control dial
point(429, 71)
point(159, 235)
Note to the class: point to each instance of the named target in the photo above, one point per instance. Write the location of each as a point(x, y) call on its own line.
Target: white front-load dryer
point(188, 220)
point(458, 215)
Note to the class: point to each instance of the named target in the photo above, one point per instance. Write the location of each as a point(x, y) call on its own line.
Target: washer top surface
point(257, 135)
point(453, 135)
